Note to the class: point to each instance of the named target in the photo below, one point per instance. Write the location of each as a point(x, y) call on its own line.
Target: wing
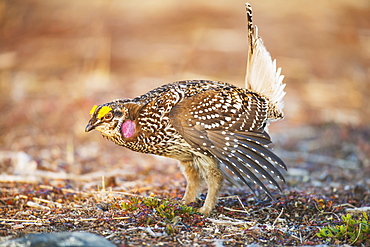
point(229, 125)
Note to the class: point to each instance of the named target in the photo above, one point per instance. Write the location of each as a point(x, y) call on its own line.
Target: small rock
point(358, 210)
point(24, 164)
point(297, 172)
point(59, 239)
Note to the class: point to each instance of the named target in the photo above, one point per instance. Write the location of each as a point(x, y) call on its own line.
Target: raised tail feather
point(262, 76)
point(251, 156)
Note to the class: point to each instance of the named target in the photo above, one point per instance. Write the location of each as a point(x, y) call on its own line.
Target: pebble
point(59, 239)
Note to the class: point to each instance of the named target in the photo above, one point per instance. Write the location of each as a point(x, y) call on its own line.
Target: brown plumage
point(206, 125)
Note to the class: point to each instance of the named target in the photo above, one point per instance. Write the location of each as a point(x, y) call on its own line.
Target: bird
point(214, 129)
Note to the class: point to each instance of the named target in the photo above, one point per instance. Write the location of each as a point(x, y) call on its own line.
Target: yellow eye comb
point(104, 110)
point(93, 109)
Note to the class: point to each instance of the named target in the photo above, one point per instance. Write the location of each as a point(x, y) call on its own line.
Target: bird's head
point(116, 120)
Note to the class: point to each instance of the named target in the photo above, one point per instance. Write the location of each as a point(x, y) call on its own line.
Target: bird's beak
point(89, 127)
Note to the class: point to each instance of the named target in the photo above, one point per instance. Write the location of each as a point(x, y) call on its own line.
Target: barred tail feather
point(248, 158)
point(262, 76)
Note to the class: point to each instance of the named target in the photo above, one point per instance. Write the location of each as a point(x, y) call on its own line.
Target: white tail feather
point(262, 76)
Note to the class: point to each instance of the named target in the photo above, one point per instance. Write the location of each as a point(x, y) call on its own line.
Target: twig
point(66, 219)
point(229, 220)
point(233, 234)
point(32, 221)
point(121, 218)
point(36, 205)
point(240, 202)
point(261, 209)
point(226, 222)
point(178, 240)
point(235, 210)
point(294, 236)
point(111, 235)
point(103, 183)
point(323, 213)
point(358, 235)
point(282, 210)
point(150, 231)
point(94, 219)
point(267, 217)
point(47, 201)
point(95, 192)
point(146, 229)
point(311, 233)
point(344, 205)
point(129, 194)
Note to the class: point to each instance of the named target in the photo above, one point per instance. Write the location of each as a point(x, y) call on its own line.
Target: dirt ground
point(59, 58)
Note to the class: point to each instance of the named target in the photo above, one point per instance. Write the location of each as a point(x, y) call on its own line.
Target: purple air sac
point(128, 129)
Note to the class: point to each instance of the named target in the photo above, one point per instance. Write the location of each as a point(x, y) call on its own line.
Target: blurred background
point(59, 58)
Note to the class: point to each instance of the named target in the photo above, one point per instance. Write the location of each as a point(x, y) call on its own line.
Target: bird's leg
point(214, 177)
point(194, 182)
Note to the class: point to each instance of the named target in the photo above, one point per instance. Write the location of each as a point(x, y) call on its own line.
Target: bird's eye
point(108, 116)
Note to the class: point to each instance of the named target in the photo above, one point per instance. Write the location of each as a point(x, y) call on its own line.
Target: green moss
point(351, 229)
point(172, 214)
